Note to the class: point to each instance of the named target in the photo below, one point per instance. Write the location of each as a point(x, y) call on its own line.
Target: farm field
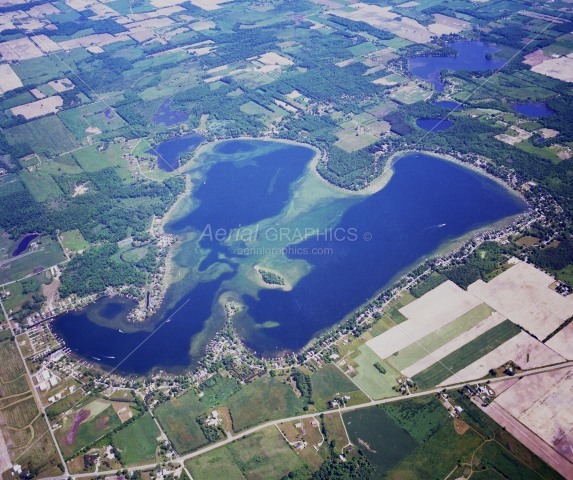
point(437, 308)
point(431, 342)
point(178, 419)
point(23, 424)
point(272, 398)
point(83, 427)
point(46, 136)
point(137, 442)
point(330, 381)
point(368, 378)
point(522, 295)
point(523, 349)
point(261, 456)
point(48, 254)
point(466, 355)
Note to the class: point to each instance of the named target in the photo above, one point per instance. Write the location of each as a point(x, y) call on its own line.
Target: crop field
point(74, 241)
point(87, 432)
point(46, 135)
point(265, 455)
point(431, 342)
point(26, 427)
point(82, 120)
point(351, 140)
point(380, 438)
point(138, 441)
point(466, 355)
point(335, 430)
point(523, 349)
point(48, 254)
point(535, 399)
point(12, 374)
point(522, 294)
point(437, 308)
point(93, 160)
point(272, 398)
point(371, 381)
point(178, 419)
point(458, 342)
point(330, 381)
point(41, 185)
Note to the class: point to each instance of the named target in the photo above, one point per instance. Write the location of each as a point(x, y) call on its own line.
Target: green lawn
point(137, 442)
point(265, 455)
point(265, 399)
point(466, 355)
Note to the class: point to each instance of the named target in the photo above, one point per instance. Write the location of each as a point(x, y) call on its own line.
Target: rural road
point(181, 459)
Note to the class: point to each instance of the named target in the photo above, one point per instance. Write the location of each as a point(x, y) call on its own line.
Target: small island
point(268, 278)
point(271, 278)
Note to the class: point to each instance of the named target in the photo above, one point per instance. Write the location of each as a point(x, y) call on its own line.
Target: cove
point(261, 195)
point(168, 152)
point(472, 56)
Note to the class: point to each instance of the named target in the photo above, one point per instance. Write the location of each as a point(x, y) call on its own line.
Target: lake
point(472, 56)
point(258, 203)
point(533, 110)
point(449, 105)
point(433, 124)
point(169, 151)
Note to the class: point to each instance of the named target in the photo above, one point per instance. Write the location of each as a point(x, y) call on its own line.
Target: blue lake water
point(433, 124)
point(23, 245)
point(533, 110)
point(166, 116)
point(167, 152)
point(449, 105)
point(427, 202)
point(471, 56)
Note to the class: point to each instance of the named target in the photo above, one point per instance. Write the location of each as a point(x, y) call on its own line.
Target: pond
point(533, 110)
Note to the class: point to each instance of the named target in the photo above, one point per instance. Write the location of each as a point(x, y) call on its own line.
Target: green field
point(137, 442)
point(273, 399)
point(93, 160)
point(466, 355)
point(431, 342)
point(46, 136)
point(65, 404)
point(178, 419)
point(10, 183)
point(330, 381)
point(48, 254)
point(370, 380)
point(74, 241)
point(264, 455)
point(88, 431)
point(41, 185)
point(79, 119)
point(383, 441)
